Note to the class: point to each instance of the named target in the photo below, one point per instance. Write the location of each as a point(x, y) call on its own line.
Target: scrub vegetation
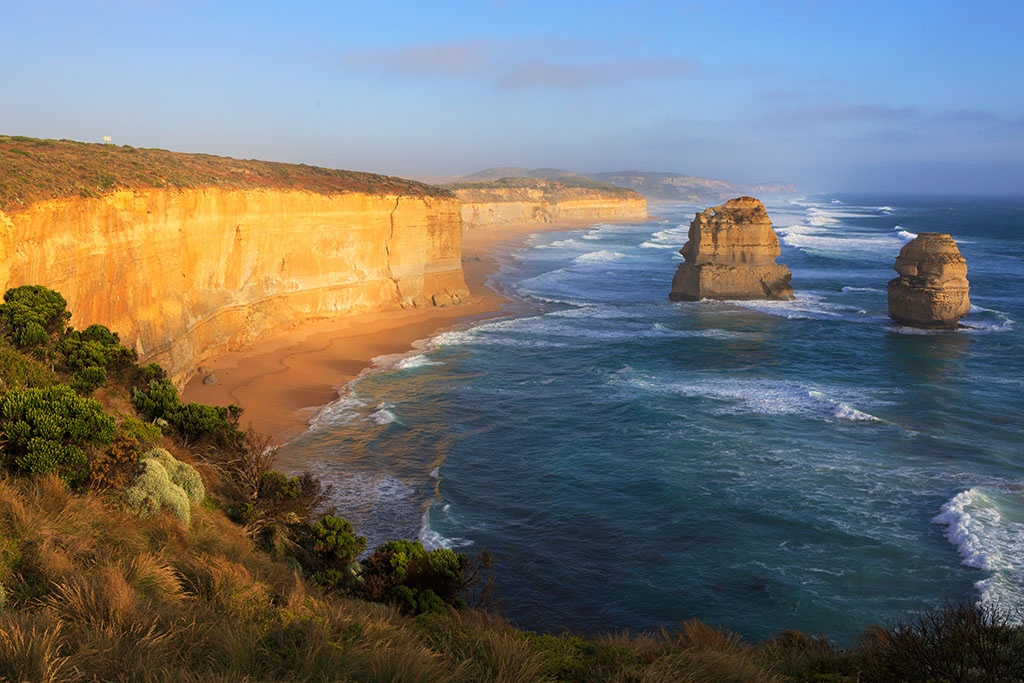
point(142, 538)
point(33, 170)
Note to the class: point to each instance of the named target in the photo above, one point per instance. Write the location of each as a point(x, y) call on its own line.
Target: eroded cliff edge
point(183, 273)
point(515, 201)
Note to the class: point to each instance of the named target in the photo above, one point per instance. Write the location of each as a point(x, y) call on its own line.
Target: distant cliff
point(190, 255)
point(512, 201)
point(677, 187)
point(687, 188)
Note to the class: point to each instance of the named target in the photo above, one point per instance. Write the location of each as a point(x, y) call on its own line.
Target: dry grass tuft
point(30, 650)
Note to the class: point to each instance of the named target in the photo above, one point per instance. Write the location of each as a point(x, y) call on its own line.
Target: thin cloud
point(845, 113)
point(568, 76)
point(510, 66)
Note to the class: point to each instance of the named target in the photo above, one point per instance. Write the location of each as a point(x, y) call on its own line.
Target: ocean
point(634, 462)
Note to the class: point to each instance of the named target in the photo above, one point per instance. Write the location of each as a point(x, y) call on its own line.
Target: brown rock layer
point(730, 254)
point(183, 275)
point(932, 289)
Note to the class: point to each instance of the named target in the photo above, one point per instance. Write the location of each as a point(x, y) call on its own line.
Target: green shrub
point(153, 490)
point(191, 421)
point(96, 346)
point(399, 565)
point(181, 474)
point(335, 548)
point(335, 542)
point(47, 429)
point(32, 314)
point(143, 432)
point(19, 371)
point(87, 380)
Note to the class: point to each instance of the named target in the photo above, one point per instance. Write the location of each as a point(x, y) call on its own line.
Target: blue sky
point(831, 95)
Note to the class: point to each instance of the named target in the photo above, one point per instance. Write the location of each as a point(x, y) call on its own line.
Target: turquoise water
point(634, 462)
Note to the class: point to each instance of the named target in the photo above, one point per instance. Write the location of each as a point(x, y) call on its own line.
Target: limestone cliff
point(183, 274)
point(730, 254)
point(513, 201)
point(932, 287)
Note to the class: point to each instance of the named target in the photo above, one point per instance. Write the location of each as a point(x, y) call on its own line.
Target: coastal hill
point(189, 255)
point(676, 187)
point(516, 200)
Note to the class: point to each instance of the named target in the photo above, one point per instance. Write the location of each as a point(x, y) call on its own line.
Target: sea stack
point(932, 288)
point(730, 254)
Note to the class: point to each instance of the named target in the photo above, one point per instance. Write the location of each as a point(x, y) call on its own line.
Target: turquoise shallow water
point(634, 462)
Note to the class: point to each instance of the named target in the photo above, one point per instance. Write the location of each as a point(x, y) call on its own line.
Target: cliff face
point(932, 289)
point(482, 207)
point(730, 254)
point(185, 274)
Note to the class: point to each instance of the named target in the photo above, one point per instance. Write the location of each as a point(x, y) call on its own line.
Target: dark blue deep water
point(634, 462)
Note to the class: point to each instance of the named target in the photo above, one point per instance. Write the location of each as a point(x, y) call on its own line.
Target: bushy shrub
point(47, 429)
point(192, 421)
point(32, 314)
point(279, 512)
point(165, 482)
point(87, 380)
point(96, 347)
point(335, 541)
point(19, 371)
point(404, 572)
point(957, 642)
point(182, 474)
point(143, 432)
point(335, 547)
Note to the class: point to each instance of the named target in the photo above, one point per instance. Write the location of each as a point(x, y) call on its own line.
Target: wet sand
point(282, 381)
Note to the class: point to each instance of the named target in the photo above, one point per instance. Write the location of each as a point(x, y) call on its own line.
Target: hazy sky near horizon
point(904, 95)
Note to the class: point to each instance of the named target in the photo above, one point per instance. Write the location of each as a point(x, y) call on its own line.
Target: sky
point(898, 96)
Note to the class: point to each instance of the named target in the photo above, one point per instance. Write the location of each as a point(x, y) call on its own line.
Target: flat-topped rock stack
point(932, 289)
point(730, 254)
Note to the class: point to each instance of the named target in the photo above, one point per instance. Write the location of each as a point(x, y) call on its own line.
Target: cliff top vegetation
point(33, 170)
point(551, 189)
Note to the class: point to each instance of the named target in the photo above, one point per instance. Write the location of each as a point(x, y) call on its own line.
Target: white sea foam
point(843, 244)
point(603, 256)
point(382, 414)
point(986, 526)
point(886, 209)
point(751, 395)
point(418, 361)
point(670, 238)
point(905, 235)
point(840, 410)
point(863, 289)
point(343, 409)
point(433, 540)
point(807, 306)
point(962, 528)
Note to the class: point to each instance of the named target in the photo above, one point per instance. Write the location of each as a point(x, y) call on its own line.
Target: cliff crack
point(387, 253)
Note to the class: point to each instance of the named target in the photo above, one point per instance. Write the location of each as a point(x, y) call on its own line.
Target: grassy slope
point(33, 170)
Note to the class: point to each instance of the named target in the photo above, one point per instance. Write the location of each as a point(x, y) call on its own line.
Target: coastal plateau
point(187, 256)
point(514, 201)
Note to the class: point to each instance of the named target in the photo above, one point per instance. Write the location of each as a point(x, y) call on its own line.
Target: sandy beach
point(282, 381)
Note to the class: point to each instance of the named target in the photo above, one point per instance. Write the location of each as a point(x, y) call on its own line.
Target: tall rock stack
point(932, 289)
point(730, 254)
